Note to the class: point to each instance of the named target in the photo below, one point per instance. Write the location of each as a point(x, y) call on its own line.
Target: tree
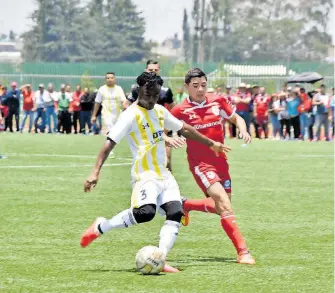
point(196, 21)
point(64, 31)
point(186, 37)
point(12, 36)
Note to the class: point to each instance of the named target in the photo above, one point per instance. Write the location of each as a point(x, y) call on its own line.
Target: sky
point(158, 25)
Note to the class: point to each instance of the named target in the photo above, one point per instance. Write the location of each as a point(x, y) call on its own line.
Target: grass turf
point(282, 196)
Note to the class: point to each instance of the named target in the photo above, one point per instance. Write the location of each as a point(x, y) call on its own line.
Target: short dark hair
point(150, 61)
point(110, 72)
point(302, 89)
point(323, 85)
point(194, 72)
point(149, 79)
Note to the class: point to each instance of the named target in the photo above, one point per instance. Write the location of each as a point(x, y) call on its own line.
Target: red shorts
point(207, 174)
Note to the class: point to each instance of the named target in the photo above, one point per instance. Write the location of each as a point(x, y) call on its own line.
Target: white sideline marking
point(62, 156)
point(60, 166)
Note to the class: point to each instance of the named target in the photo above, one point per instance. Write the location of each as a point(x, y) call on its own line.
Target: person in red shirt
point(75, 106)
point(304, 108)
point(230, 97)
point(243, 102)
point(28, 106)
point(205, 113)
point(261, 104)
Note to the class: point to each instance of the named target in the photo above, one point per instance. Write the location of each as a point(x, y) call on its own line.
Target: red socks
point(228, 221)
point(229, 224)
point(205, 205)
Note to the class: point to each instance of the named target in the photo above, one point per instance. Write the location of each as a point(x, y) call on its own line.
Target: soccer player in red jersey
point(205, 113)
point(261, 104)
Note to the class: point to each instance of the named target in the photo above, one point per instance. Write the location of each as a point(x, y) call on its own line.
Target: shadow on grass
point(208, 259)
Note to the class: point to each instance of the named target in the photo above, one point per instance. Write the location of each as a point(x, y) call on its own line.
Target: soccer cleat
point(185, 219)
point(246, 258)
point(168, 269)
point(91, 233)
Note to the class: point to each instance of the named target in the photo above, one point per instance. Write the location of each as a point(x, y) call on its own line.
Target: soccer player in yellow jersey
point(111, 97)
point(153, 185)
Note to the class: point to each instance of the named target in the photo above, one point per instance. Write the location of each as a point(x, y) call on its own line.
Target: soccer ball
point(150, 260)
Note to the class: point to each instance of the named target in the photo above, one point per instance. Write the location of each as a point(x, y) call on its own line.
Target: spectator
point(218, 90)
point(283, 116)
point(13, 104)
point(181, 95)
point(261, 104)
point(274, 106)
point(86, 104)
point(255, 91)
point(243, 99)
point(321, 101)
point(50, 108)
point(304, 109)
point(293, 102)
point(3, 107)
point(64, 116)
point(75, 106)
point(332, 108)
point(40, 96)
point(230, 97)
point(28, 106)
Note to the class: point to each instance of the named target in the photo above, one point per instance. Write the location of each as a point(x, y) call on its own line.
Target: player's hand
point(219, 147)
point(175, 142)
point(245, 136)
point(91, 182)
point(93, 119)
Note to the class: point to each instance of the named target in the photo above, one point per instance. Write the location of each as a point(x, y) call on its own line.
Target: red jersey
point(28, 100)
point(75, 104)
point(205, 117)
point(242, 107)
point(261, 103)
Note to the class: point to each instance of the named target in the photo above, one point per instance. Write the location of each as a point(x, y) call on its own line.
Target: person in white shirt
point(50, 108)
point(111, 96)
point(153, 184)
point(41, 95)
point(321, 102)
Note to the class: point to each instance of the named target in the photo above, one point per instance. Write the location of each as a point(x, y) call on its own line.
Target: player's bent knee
point(144, 213)
point(173, 210)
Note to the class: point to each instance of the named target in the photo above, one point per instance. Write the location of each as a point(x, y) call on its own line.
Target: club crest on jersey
point(226, 184)
point(192, 116)
point(210, 175)
point(216, 110)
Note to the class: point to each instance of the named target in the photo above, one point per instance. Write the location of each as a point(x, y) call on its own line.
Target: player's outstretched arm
point(240, 124)
point(92, 180)
point(190, 132)
point(95, 112)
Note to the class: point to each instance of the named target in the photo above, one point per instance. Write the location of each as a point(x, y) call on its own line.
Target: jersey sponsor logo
point(216, 110)
point(207, 125)
point(157, 136)
point(226, 184)
point(210, 175)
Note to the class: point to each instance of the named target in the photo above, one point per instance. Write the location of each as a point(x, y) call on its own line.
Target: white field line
point(60, 166)
point(62, 156)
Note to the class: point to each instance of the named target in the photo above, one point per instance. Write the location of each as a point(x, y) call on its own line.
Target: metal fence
point(272, 83)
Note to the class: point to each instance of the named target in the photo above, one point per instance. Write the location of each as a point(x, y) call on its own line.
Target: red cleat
point(91, 233)
point(169, 269)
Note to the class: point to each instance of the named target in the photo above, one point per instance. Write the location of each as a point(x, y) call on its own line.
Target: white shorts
point(155, 191)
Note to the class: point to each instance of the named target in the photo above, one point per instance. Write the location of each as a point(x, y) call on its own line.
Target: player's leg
point(170, 202)
point(142, 210)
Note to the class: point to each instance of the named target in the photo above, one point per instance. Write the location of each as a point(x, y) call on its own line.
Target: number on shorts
point(143, 194)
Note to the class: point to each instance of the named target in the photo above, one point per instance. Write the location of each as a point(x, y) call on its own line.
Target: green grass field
point(282, 196)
